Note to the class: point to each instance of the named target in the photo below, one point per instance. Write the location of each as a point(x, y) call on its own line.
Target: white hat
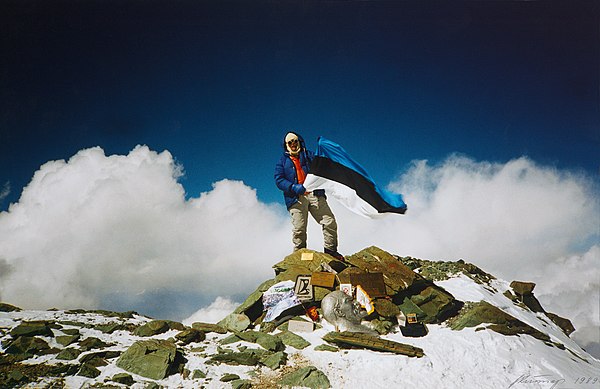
point(290, 136)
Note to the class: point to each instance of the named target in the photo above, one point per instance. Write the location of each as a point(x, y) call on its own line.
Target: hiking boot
point(335, 254)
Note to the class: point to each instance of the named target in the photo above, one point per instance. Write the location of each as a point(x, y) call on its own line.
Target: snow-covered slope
point(469, 358)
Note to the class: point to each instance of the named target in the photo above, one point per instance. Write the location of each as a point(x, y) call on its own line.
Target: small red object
point(312, 313)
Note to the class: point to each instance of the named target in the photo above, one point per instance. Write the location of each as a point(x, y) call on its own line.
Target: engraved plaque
point(303, 288)
point(323, 278)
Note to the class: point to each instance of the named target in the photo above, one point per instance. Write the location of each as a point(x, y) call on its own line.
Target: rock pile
point(405, 290)
point(142, 350)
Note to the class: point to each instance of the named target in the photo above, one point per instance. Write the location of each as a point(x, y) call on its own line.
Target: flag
point(335, 171)
point(278, 298)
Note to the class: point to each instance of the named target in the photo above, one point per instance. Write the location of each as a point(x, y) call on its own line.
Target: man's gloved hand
point(299, 189)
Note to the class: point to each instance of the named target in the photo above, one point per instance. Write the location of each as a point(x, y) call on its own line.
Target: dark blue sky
point(217, 83)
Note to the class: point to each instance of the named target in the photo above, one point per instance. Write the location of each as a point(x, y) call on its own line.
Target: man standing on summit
point(290, 172)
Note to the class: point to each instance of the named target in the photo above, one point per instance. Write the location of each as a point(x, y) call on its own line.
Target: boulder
point(33, 328)
point(152, 328)
point(267, 341)
point(524, 294)
point(522, 288)
point(92, 343)
point(274, 360)
point(241, 384)
point(309, 377)
point(532, 303)
point(235, 322)
point(229, 377)
point(209, 327)
point(65, 340)
point(70, 331)
point(247, 357)
point(4, 307)
point(198, 374)
point(564, 324)
point(435, 303)
point(326, 347)
point(27, 346)
point(291, 339)
point(109, 328)
point(152, 358)
point(123, 378)
point(68, 354)
point(190, 335)
point(88, 370)
point(474, 314)
point(99, 358)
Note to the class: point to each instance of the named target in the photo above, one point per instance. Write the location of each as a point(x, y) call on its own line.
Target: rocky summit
point(421, 323)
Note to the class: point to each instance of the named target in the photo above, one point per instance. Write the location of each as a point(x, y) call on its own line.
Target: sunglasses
point(293, 141)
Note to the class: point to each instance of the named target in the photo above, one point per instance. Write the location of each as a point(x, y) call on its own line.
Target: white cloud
point(571, 285)
point(510, 218)
point(516, 220)
point(99, 231)
point(214, 312)
point(100, 228)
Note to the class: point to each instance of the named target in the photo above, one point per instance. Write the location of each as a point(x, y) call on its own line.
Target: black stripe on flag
point(365, 189)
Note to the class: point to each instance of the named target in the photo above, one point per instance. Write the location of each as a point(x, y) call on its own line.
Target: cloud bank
point(117, 232)
point(516, 220)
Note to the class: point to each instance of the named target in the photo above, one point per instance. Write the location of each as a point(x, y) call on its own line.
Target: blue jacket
point(285, 173)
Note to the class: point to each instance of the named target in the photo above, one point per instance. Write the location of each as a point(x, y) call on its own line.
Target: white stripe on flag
point(345, 195)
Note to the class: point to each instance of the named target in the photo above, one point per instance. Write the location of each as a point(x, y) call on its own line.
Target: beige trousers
point(320, 211)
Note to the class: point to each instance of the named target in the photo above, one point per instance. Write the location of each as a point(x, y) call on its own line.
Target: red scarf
point(299, 172)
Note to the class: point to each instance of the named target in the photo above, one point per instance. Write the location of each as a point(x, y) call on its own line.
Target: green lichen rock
point(153, 358)
point(66, 340)
point(31, 329)
point(309, 377)
point(152, 328)
point(26, 346)
point(235, 322)
point(290, 339)
point(209, 327)
point(123, 378)
point(475, 314)
point(68, 354)
point(190, 335)
point(267, 341)
point(274, 360)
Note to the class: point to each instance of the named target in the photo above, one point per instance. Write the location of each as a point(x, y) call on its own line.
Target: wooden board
point(323, 278)
point(372, 283)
